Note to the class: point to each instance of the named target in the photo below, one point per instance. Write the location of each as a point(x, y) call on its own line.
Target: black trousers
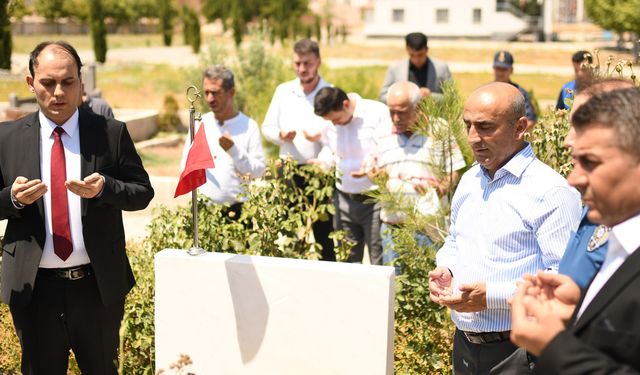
point(68, 315)
point(478, 359)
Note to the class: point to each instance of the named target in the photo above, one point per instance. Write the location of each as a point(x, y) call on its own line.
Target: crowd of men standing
point(535, 281)
point(514, 220)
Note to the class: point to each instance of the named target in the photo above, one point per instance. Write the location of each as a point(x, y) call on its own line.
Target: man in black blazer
point(65, 177)
point(603, 331)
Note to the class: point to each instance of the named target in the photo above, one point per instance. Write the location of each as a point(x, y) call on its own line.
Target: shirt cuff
point(15, 202)
point(104, 181)
point(498, 294)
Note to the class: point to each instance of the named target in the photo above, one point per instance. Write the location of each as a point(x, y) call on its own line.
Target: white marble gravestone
point(238, 314)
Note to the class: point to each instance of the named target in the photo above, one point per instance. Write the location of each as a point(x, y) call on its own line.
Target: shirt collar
point(298, 87)
point(627, 234)
point(70, 126)
point(516, 165)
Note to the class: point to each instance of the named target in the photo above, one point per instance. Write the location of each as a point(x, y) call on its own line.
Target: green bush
point(169, 120)
point(547, 140)
point(137, 332)
point(276, 218)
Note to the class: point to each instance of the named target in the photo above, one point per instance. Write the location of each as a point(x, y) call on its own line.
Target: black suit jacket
point(106, 148)
point(606, 338)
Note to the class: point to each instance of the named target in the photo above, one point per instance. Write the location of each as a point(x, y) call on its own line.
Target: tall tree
point(616, 15)
point(280, 16)
point(191, 28)
point(51, 10)
point(98, 30)
point(166, 14)
point(5, 35)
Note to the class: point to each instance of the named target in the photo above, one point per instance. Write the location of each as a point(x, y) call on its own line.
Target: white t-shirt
point(245, 157)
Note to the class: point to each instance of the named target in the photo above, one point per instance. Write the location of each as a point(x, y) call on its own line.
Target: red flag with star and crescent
point(198, 159)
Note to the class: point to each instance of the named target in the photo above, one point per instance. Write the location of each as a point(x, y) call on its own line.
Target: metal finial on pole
point(192, 95)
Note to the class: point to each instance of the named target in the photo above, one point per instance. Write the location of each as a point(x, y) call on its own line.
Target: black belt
point(71, 273)
point(486, 337)
point(354, 196)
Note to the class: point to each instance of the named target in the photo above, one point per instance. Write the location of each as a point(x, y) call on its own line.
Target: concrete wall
point(421, 15)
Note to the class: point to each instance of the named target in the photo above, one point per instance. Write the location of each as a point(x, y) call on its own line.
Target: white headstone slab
point(237, 314)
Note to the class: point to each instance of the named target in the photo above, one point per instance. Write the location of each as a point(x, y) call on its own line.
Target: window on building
point(397, 15)
point(477, 16)
point(442, 15)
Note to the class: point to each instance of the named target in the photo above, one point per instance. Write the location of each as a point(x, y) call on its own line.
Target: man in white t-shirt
point(346, 145)
point(233, 138)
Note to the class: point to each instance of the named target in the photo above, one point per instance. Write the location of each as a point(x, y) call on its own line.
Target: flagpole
point(193, 116)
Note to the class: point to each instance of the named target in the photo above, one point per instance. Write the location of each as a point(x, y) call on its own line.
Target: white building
point(443, 18)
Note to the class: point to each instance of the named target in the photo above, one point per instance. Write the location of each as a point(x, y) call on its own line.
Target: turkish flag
point(198, 159)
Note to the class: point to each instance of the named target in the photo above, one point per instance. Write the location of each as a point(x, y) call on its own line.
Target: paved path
point(182, 56)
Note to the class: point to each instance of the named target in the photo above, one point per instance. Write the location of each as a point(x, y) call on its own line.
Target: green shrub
point(276, 218)
point(547, 140)
point(169, 120)
point(9, 345)
point(137, 332)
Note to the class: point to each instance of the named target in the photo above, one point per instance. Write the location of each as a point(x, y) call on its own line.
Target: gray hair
point(221, 72)
point(618, 110)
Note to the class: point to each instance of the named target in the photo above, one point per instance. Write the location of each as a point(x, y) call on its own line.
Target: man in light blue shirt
point(511, 214)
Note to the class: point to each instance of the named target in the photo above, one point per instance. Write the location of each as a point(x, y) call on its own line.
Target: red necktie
point(62, 245)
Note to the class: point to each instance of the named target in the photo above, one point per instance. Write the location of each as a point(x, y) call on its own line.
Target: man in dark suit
point(65, 177)
point(429, 74)
point(603, 330)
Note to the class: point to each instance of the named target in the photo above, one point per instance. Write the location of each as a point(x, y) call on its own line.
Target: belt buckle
point(475, 339)
point(75, 274)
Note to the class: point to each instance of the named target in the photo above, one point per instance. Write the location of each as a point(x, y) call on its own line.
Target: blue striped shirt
point(517, 222)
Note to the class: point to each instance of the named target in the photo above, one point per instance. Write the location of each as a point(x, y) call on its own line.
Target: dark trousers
point(321, 229)
point(361, 223)
point(478, 359)
point(68, 315)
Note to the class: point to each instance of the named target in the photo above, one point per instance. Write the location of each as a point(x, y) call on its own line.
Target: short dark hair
point(581, 56)
point(33, 58)
point(618, 110)
point(329, 99)
point(416, 41)
point(306, 45)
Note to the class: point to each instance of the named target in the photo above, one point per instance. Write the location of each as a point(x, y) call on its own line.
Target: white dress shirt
point(346, 146)
point(245, 157)
point(517, 222)
point(623, 241)
point(292, 109)
point(71, 142)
